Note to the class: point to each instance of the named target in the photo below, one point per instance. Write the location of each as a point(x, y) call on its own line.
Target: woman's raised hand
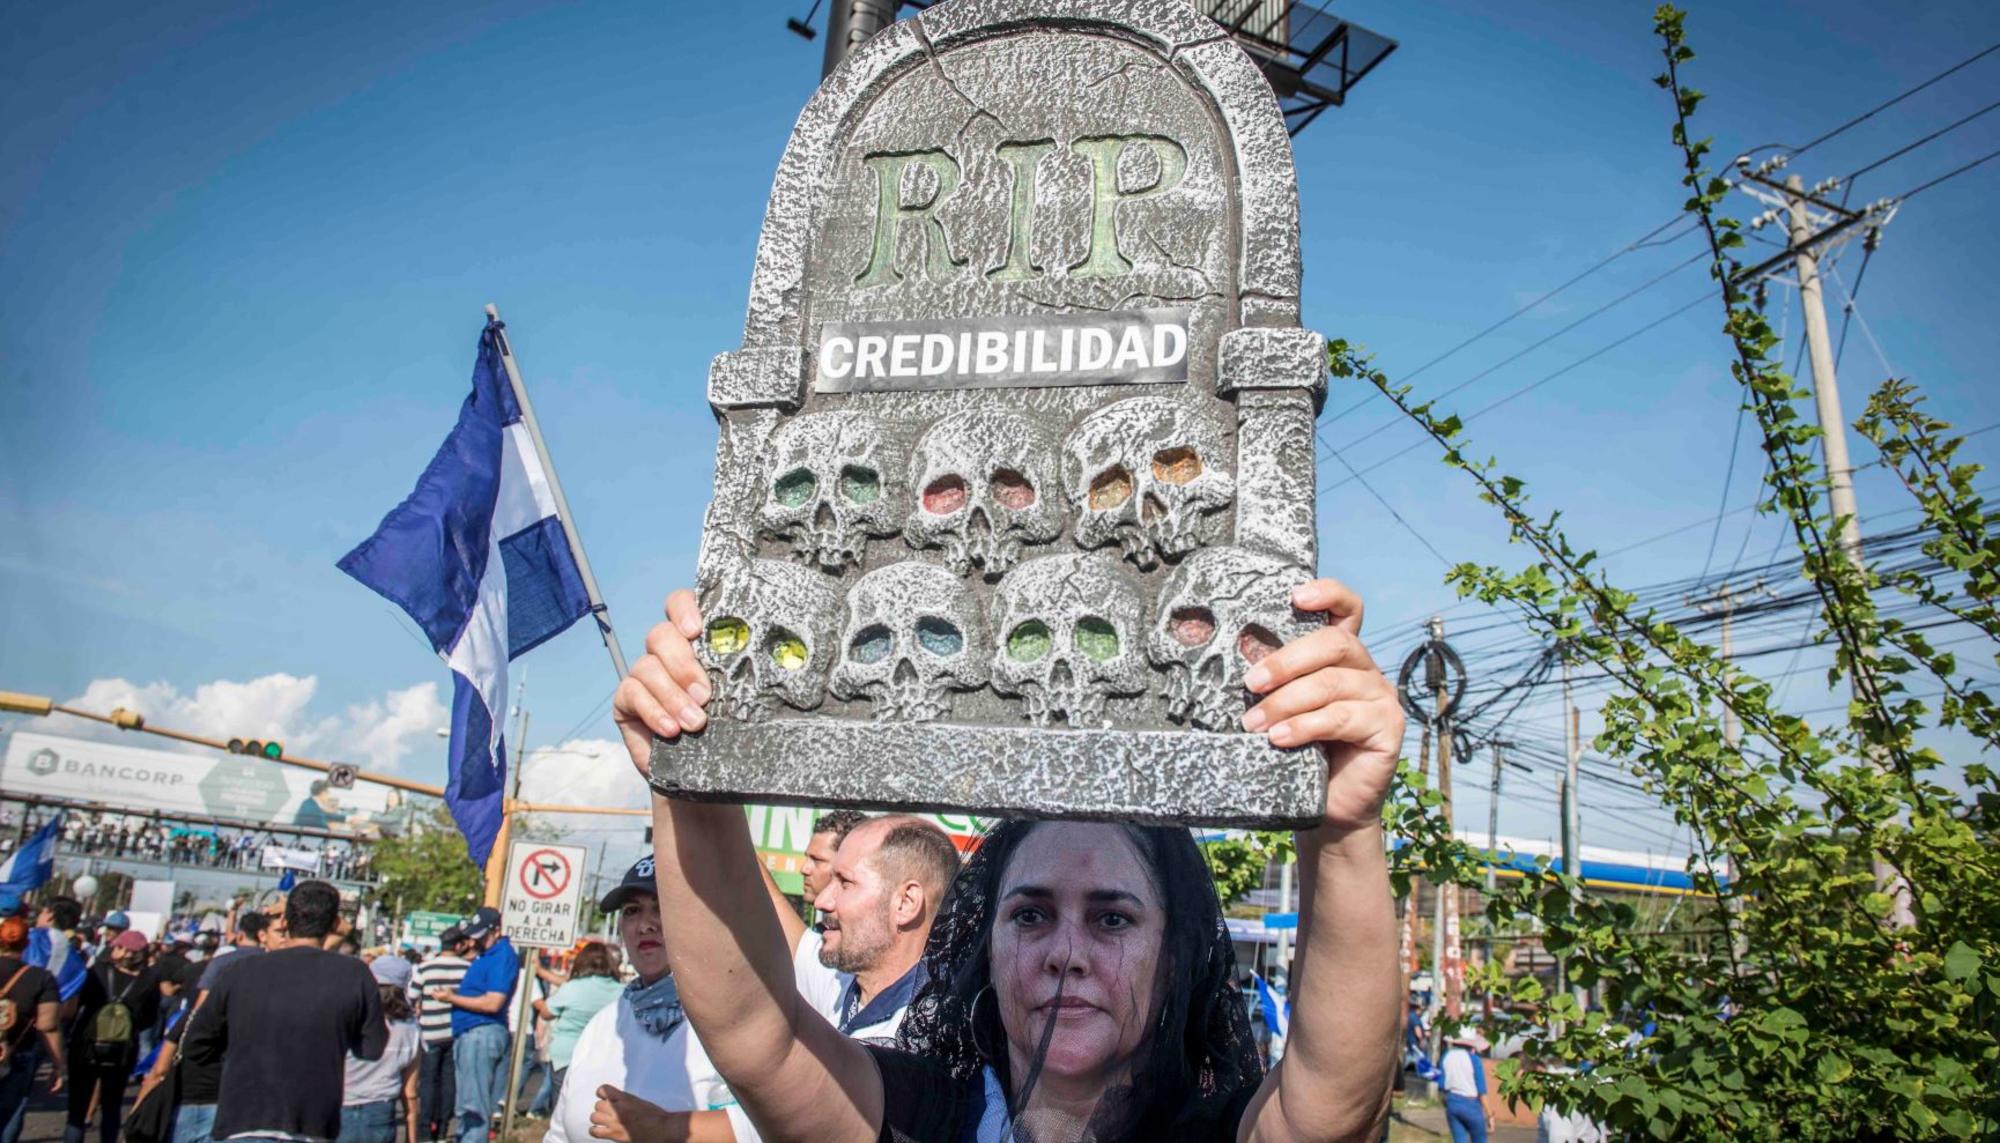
point(1325, 688)
point(667, 688)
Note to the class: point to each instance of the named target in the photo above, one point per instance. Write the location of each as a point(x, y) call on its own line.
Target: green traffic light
point(274, 750)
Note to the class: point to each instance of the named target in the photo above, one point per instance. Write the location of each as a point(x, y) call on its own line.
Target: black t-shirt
point(34, 988)
point(138, 991)
point(281, 1025)
point(202, 1082)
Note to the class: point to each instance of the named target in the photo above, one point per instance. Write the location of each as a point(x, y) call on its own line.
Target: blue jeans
point(194, 1122)
point(1466, 1117)
point(480, 1057)
point(368, 1122)
point(16, 1077)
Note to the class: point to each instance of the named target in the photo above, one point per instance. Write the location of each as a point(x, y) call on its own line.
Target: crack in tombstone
point(1168, 257)
point(937, 65)
point(1174, 53)
point(1121, 69)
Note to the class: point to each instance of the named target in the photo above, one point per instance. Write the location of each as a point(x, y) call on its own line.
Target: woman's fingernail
point(700, 693)
point(1283, 735)
point(1302, 593)
point(667, 727)
point(691, 717)
point(1258, 678)
point(1254, 719)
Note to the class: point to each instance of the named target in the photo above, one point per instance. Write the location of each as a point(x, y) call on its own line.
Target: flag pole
point(598, 610)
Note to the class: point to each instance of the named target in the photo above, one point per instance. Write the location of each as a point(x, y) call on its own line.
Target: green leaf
point(1961, 961)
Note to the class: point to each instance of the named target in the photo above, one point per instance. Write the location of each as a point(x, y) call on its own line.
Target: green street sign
point(430, 926)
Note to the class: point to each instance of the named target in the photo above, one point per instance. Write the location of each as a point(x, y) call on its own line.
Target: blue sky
point(245, 252)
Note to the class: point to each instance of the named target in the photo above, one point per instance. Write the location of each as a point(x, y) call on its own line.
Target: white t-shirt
point(372, 1081)
point(675, 1075)
point(1459, 1077)
point(820, 985)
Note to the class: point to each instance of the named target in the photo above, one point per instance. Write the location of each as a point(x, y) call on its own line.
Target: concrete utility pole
point(1808, 237)
point(1724, 601)
point(1572, 802)
point(1446, 963)
point(1826, 388)
point(849, 23)
point(1409, 940)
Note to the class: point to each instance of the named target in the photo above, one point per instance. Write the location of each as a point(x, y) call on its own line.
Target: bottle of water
point(720, 1097)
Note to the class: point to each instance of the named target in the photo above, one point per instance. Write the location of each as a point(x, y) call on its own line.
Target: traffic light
point(272, 750)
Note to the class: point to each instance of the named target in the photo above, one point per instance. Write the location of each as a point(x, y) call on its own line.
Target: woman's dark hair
point(594, 959)
point(395, 1002)
point(1199, 1058)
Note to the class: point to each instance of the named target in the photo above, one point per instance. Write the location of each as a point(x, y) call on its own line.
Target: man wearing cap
point(479, 1036)
point(437, 1086)
point(282, 1026)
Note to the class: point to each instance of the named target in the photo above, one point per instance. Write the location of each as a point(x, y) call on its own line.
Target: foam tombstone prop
point(1016, 462)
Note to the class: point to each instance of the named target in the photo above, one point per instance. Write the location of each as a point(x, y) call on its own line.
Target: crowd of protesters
point(271, 1031)
point(1070, 981)
point(137, 837)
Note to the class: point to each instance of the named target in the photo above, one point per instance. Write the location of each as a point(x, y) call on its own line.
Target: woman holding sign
point(1080, 973)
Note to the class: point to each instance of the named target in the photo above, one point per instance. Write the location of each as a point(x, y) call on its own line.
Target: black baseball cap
point(481, 923)
point(638, 879)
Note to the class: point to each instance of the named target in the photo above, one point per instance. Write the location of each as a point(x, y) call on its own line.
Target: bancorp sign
point(222, 786)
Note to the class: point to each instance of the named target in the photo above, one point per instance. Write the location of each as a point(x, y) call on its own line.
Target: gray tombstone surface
point(1016, 461)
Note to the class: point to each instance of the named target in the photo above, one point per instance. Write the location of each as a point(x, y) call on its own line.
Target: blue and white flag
point(477, 556)
point(1277, 1010)
point(290, 880)
point(34, 862)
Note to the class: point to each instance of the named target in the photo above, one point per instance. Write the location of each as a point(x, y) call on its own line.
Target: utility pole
point(1723, 601)
point(1809, 235)
point(1445, 953)
point(1409, 943)
point(849, 23)
point(1572, 823)
point(1493, 815)
point(496, 863)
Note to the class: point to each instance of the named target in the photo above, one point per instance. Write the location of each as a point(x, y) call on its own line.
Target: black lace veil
point(1201, 1058)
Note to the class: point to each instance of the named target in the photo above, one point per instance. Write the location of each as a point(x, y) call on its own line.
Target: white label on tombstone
point(541, 904)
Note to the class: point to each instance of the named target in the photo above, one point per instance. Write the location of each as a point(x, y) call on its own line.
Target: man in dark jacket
point(283, 1024)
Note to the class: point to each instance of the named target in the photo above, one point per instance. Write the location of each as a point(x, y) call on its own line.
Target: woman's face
point(639, 932)
point(1076, 913)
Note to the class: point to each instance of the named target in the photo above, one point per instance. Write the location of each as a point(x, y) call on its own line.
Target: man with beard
point(884, 891)
point(819, 984)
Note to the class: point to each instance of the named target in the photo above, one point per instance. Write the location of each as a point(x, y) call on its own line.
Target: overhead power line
point(1881, 107)
point(1530, 387)
point(1947, 176)
point(1908, 147)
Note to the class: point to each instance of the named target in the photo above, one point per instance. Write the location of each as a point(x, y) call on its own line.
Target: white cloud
point(587, 772)
point(377, 734)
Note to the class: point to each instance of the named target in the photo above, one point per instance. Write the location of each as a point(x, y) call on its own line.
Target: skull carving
point(913, 633)
point(985, 487)
point(769, 638)
point(834, 481)
point(1221, 611)
point(1148, 473)
point(1066, 631)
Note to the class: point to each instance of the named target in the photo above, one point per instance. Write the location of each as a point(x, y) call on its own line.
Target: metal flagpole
point(598, 609)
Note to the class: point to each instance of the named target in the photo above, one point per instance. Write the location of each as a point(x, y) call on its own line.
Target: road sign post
point(540, 901)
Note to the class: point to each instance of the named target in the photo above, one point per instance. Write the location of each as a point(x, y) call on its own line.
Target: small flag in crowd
point(288, 881)
point(34, 862)
point(478, 557)
point(1277, 1009)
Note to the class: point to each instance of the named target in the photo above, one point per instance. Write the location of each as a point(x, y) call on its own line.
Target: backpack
point(10, 1014)
point(111, 1030)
